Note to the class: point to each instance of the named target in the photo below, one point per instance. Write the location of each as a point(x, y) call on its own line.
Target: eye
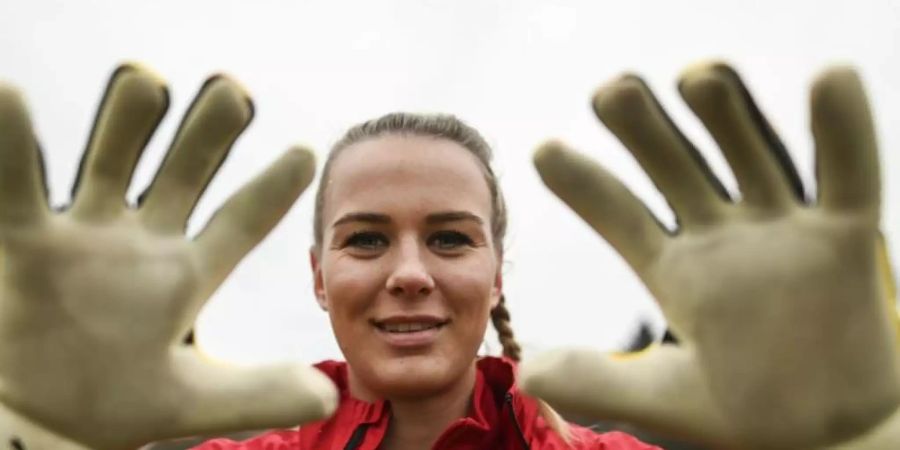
point(449, 240)
point(366, 240)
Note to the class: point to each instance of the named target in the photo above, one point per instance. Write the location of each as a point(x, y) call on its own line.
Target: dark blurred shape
point(642, 339)
point(189, 338)
point(669, 338)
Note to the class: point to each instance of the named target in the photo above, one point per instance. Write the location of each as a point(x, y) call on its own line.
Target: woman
point(97, 297)
point(409, 225)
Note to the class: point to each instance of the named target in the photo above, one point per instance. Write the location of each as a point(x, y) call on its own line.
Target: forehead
point(402, 175)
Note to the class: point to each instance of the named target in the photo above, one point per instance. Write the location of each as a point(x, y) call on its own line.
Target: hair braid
point(501, 320)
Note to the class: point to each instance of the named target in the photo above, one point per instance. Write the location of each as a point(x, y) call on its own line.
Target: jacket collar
point(494, 382)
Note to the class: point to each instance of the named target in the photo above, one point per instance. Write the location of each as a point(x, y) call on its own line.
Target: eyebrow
point(452, 216)
point(431, 219)
point(367, 217)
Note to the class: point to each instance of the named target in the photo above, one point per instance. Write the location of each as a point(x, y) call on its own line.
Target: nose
point(410, 277)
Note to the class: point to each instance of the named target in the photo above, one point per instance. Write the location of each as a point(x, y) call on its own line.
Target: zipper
point(515, 421)
point(356, 438)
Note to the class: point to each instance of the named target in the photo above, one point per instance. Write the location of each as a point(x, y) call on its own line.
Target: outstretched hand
point(785, 338)
point(96, 300)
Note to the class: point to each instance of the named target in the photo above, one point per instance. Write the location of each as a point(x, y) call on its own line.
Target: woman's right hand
point(95, 300)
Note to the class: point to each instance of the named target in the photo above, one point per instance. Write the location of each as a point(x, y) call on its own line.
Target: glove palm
point(96, 300)
point(771, 298)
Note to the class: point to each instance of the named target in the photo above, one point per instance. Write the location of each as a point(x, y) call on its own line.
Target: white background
point(520, 71)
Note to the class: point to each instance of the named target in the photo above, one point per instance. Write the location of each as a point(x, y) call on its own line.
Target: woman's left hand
point(778, 302)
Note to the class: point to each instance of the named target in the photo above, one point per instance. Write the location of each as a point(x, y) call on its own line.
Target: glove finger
point(602, 201)
point(657, 389)
point(133, 105)
point(221, 111)
point(764, 171)
point(221, 398)
point(629, 109)
point(248, 216)
point(23, 192)
point(846, 148)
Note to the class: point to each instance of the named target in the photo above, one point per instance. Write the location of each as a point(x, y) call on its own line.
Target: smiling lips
point(406, 332)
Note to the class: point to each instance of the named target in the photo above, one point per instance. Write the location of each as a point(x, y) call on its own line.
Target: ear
point(497, 290)
point(318, 281)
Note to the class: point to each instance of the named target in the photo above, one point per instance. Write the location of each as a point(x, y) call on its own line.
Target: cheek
point(468, 291)
point(350, 289)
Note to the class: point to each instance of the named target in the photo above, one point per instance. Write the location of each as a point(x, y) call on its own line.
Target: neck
point(418, 422)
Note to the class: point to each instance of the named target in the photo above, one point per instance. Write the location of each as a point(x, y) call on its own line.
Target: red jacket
point(502, 418)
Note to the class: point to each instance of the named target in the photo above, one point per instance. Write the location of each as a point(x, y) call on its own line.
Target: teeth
point(408, 327)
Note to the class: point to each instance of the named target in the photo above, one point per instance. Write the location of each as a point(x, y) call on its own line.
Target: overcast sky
point(520, 71)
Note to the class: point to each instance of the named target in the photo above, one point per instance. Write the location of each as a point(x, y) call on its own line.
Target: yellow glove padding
point(776, 301)
point(96, 300)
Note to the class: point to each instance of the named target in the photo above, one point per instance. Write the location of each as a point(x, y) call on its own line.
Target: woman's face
point(408, 270)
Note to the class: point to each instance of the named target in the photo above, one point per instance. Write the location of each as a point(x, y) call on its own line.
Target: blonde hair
point(442, 126)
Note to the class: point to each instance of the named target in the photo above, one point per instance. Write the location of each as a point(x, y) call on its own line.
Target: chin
point(412, 376)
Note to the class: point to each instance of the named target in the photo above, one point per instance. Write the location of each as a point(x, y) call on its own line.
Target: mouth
point(408, 327)
point(406, 332)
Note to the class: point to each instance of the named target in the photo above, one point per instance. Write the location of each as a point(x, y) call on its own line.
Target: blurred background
point(520, 71)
